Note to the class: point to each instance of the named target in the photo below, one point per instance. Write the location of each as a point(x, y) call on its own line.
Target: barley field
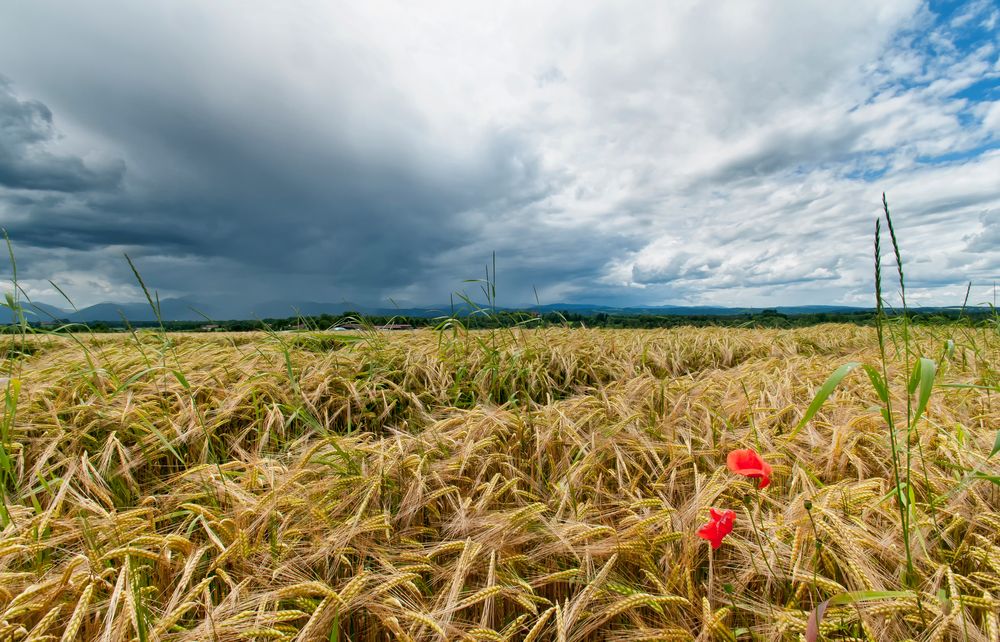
point(541, 484)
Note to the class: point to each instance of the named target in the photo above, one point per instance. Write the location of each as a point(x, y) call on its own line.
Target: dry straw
point(515, 485)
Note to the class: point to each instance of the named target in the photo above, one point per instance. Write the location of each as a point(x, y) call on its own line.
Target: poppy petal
point(747, 462)
point(720, 525)
point(745, 459)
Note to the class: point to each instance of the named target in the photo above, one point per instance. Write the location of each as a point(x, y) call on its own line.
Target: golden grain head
point(539, 485)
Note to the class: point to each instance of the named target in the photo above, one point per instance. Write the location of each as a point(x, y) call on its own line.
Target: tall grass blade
point(846, 599)
point(922, 382)
point(823, 393)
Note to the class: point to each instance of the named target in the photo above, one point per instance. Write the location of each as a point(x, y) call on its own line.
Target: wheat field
point(540, 484)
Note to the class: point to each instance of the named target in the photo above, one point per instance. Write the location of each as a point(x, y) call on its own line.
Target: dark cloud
point(626, 153)
point(26, 131)
point(326, 218)
point(680, 265)
point(786, 150)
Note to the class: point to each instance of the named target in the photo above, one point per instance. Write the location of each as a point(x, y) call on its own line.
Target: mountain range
point(183, 309)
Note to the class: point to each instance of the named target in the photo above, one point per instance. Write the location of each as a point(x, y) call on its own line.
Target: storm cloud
point(723, 153)
point(26, 130)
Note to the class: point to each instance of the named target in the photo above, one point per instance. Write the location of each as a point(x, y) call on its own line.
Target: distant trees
point(767, 318)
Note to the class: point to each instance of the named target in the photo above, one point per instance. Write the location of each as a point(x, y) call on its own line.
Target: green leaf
point(853, 597)
point(878, 383)
point(990, 478)
point(843, 599)
point(131, 380)
point(970, 386)
point(182, 379)
point(960, 435)
point(897, 492)
point(335, 629)
point(824, 392)
point(166, 442)
point(996, 445)
point(925, 371)
point(911, 383)
point(11, 395)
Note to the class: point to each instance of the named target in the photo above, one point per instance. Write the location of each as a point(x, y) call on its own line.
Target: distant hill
point(38, 312)
point(170, 310)
point(690, 310)
point(183, 309)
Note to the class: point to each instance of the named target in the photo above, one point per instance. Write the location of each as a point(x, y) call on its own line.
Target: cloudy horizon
point(682, 153)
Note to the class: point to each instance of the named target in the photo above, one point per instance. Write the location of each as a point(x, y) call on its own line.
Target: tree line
point(767, 318)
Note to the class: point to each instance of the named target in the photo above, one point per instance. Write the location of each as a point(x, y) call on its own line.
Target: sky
point(621, 153)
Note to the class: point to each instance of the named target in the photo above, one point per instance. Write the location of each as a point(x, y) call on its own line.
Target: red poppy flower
point(749, 464)
point(720, 525)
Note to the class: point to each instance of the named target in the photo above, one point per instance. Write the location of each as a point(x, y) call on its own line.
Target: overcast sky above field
point(680, 152)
